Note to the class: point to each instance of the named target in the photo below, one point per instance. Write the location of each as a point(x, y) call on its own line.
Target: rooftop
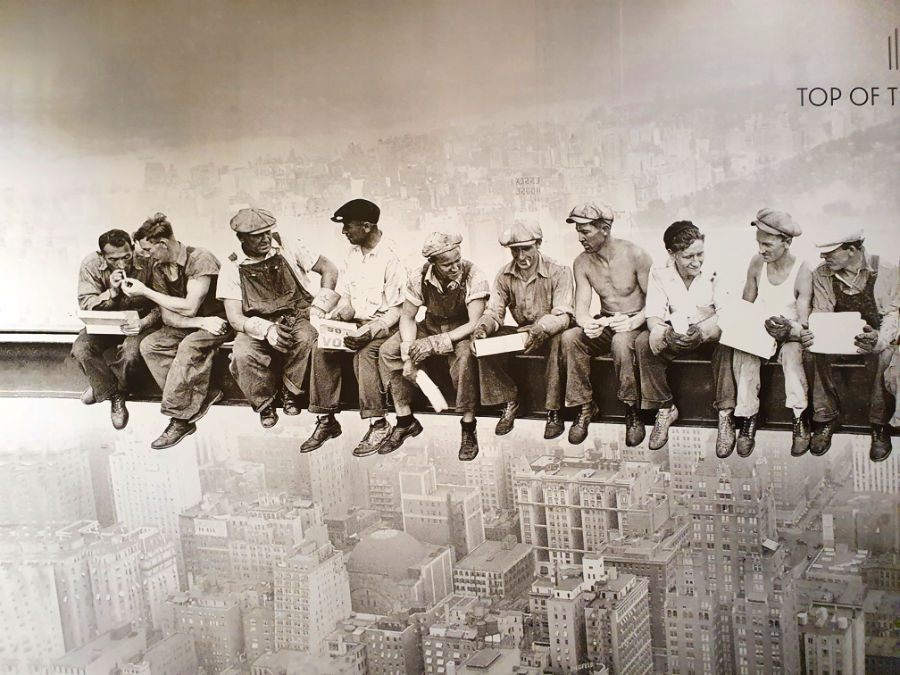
point(494, 556)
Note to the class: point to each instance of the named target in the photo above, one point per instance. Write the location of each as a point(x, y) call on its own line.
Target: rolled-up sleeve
point(477, 287)
point(413, 291)
point(562, 303)
point(228, 287)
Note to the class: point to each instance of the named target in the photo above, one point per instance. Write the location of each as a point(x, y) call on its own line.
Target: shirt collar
point(868, 265)
point(376, 249)
point(243, 258)
point(542, 269)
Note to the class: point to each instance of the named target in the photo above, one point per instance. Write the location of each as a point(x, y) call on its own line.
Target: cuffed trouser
point(655, 390)
point(826, 405)
point(108, 375)
point(892, 384)
point(463, 372)
point(325, 380)
point(497, 387)
point(181, 361)
point(260, 369)
point(576, 351)
point(746, 373)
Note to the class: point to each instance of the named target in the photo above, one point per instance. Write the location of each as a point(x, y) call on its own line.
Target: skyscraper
point(441, 514)
point(312, 593)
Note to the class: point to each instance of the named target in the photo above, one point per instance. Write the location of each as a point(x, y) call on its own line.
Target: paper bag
point(743, 327)
point(501, 344)
point(833, 332)
point(106, 323)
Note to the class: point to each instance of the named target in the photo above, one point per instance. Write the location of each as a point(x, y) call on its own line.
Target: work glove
point(778, 327)
point(422, 348)
point(537, 336)
point(280, 337)
point(865, 342)
point(358, 342)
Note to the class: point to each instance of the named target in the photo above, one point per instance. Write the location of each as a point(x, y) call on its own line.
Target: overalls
point(270, 289)
point(444, 312)
point(825, 397)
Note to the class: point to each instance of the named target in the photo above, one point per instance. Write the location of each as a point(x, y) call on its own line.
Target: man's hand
point(343, 313)
point(316, 313)
point(410, 371)
point(622, 323)
point(537, 336)
point(358, 342)
point(424, 347)
point(115, 281)
point(683, 343)
point(212, 324)
point(778, 327)
point(865, 342)
point(806, 338)
point(133, 288)
point(280, 337)
point(480, 332)
point(594, 328)
point(133, 327)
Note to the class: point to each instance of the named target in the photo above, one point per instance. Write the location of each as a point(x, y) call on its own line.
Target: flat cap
point(361, 210)
point(589, 212)
point(251, 221)
point(440, 242)
point(776, 222)
point(830, 242)
point(520, 234)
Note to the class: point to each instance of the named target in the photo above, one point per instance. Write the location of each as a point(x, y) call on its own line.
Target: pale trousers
point(746, 374)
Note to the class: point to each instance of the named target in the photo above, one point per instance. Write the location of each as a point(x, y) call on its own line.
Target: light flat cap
point(589, 212)
point(440, 242)
point(520, 234)
point(776, 222)
point(251, 221)
point(829, 243)
point(361, 210)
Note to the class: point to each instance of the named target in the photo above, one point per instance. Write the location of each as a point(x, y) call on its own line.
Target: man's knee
point(131, 349)
point(151, 345)
point(573, 338)
point(389, 354)
point(83, 347)
point(623, 345)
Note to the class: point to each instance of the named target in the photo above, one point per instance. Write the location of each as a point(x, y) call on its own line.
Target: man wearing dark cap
point(782, 284)
point(370, 286)
point(453, 292)
point(100, 289)
point(269, 300)
point(683, 294)
point(851, 280)
point(180, 354)
point(538, 293)
point(616, 270)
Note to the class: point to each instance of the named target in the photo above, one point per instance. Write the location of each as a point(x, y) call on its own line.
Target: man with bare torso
point(616, 270)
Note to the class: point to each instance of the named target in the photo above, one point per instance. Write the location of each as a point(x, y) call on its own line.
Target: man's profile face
point(447, 265)
point(257, 244)
point(771, 246)
point(592, 235)
point(142, 248)
point(838, 259)
point(689, 262)
point(525, 257)
point(356, 231)
point(117, 257)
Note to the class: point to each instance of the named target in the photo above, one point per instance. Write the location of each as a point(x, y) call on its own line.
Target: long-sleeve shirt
point(94, 291)
point(546, 298)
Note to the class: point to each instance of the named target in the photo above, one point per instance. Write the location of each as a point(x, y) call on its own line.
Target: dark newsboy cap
point(357, 209)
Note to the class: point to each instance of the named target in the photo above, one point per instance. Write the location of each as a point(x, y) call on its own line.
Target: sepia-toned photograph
point(449, 337)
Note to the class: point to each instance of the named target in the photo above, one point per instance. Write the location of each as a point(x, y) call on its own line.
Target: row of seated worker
point(187, 304)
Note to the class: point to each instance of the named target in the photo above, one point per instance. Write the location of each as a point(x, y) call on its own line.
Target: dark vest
point(863, 302)
point(445, 311)
point(269, 288)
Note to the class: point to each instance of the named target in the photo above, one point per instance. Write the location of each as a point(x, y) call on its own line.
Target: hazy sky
point(177, 72)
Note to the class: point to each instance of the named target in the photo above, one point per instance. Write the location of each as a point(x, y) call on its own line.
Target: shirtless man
point(782, 284)
point(616, 270)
